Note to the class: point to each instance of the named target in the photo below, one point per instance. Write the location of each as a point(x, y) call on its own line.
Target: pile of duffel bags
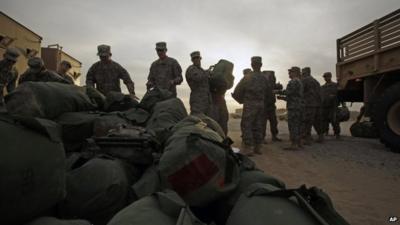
point(70, 156)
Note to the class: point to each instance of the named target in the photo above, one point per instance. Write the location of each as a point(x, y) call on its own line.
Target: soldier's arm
point(177, 73)
point(90, 79)
point(126, 78)
point(150, 78)
point(13, 82)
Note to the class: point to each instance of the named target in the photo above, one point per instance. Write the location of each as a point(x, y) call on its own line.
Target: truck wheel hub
point(393, 118)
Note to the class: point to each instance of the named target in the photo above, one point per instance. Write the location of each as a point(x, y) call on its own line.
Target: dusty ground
point(360, 175)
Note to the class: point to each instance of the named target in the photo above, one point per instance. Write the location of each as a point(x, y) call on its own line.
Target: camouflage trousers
point(252, 124)
point(312, 118)
point(201, 103)
point(295, 119)
point(270, 115)
point(329, 117)
point(220, 112)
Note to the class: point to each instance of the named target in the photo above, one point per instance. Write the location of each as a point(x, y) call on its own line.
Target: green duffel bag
point(197, 165)
point(266, 204)
point(343, 114)
point(153, 96)
point(212, 124)
point(161, 208)
point(149, 182)
point(48, 100)
point(106, 122)
point(365, 129)
point(55, 221)
point(117, 101)
point(32, 162)
point(98, 188)
point(221, 75)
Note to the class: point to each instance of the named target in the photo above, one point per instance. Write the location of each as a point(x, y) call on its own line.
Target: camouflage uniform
point(219, 110)
point(106, 76)
point(329, 107)
point(254, 87)
point(67, 78)
point(295, 107)
point(38, 73)
point(312, 101)
point(165, 73)
point(8, 78)
point(270, 107)
point(198, 81)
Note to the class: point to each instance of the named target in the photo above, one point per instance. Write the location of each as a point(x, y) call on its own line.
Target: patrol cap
point(247, 71)
point(11, 54)
point(256, 59)
point(65, 62)
point(306, 70)
point(103, 50)
point(327, 74)
point(295, 69)
point(161, 45)
point(195, 54)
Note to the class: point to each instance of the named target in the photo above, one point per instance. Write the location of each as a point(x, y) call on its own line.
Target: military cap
point(11, 54)
point(195, 54)
point(295, 69)
point(247, 71)
point(103, 50)
point(35, 62)
point(306, 70)
point(327, 74)
point(65, 62)
point(256, 59)
point(161, 45)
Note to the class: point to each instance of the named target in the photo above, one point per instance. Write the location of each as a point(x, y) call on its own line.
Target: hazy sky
point(284, 32)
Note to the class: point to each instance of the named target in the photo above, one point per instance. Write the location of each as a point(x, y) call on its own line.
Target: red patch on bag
point(193, 175)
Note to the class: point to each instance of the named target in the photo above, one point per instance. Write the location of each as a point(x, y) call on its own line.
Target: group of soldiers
point(308, 104)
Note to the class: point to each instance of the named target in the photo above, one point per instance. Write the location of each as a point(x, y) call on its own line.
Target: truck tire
point(387, 117)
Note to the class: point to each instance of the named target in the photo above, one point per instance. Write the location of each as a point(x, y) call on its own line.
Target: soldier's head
point(294, 72)
point(327, 76)
point(306, 71)
point(104, 52)
point(246, 71)
point(196, 58)
point(64, 67)
point(161, 48)
point(256, 63)
point(11, 55)
point(36, 64)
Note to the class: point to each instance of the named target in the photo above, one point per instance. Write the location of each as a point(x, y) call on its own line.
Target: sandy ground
point(360, 175)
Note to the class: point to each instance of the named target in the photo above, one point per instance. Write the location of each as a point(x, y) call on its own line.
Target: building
point(52, 55)
point(14, 34)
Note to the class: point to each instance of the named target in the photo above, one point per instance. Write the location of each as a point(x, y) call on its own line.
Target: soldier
point(37, 72)
point(312, 102)
point(8, 73)
point(295, 107)
point(270, 107)
point(165, 72)
point(198, 81)
point(63, 69)
point(329, 105)
point(252, 88)
point(246, 72)
point(106, 74)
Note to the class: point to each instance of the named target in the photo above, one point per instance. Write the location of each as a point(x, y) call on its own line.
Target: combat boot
point(320, 138)
point(276, 139)
point(257, 149)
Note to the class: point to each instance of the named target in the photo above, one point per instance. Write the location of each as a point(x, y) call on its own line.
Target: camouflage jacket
point(294, 94)
point(198, 79)
point(329, 94)
point(253, 89)
point(8, 78)
point(165, 74)
point(312, 92)
point(67, 78)
point(42, 76)
point(270, 98)
point(106, 76)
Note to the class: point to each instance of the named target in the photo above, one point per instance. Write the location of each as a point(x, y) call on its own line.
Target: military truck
point(368, 71)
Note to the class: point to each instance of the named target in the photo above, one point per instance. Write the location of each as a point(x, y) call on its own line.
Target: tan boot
point(257, 149)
